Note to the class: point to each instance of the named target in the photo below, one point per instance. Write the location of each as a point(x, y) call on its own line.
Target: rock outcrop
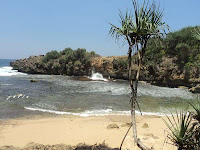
point(167, 73)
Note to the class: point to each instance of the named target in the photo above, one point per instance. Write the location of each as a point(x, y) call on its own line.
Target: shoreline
point(157, 78)
point(93, 113)
point(72, 130)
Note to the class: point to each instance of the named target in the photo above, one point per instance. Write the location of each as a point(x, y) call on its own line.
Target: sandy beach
point(72, 130)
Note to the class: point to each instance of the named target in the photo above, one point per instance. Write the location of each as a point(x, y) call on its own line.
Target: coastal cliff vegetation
point(69, 62)
point(173, 60)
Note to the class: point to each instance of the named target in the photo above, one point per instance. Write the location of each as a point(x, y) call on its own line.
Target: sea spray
point(97, 76)
point(8, 71)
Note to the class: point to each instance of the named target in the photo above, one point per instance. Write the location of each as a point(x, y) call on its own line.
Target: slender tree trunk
point(133, 93)
point(134, 96)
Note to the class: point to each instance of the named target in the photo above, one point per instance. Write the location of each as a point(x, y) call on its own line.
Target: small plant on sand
point(196, 124)
point(180, 130)
point(184, 129)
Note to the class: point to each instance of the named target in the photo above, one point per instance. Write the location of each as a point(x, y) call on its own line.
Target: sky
point(34, 27)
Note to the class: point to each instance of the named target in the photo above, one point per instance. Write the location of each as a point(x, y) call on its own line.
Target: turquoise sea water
point(55, 94)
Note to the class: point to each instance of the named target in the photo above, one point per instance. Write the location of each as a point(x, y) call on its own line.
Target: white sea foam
point(97, 76)
point(6, 84)
point(152, 113)
point(88, 113)
point(116, 88)
point(8, 71)
point(50, 111)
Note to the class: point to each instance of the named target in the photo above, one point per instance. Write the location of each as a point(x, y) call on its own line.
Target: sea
point(81, 96)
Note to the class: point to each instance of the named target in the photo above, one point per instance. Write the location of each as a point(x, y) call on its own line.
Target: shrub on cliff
point(51, 55)
point(66, 51)
point(80, 54)
point(120, 64)
point(154, 52)
point(180, 44)
point(62, 60)
point(68, 61)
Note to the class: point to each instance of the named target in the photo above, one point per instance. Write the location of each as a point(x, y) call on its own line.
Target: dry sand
point(72, 130)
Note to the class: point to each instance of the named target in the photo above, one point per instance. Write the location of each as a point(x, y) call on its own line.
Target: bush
point(51, 55)
point(180, 44)
point(182, 54)
point(62, 60)
point(66, 51)
point(120, 64)
point(92, 53)
point(184, 132)
point(70, 62)
point(80, 54)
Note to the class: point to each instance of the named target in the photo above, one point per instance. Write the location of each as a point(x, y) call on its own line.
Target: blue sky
point(33, 27)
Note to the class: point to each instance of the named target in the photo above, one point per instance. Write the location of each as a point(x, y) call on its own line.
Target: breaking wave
point(88, 113)
point(8, 71)
point(97, 76)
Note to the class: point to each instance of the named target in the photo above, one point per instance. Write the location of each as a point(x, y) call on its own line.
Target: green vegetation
point(51, 55)
point(184, 129)
point(181, 45)
point(120, 64)
point(196, 32)
point(68, 61)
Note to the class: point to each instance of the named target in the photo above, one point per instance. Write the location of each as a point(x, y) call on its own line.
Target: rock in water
point(33, 80)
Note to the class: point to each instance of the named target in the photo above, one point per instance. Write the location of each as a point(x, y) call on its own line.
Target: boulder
point(145, 125)
point(112, 126)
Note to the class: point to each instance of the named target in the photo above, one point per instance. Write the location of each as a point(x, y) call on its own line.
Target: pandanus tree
point(136, 29)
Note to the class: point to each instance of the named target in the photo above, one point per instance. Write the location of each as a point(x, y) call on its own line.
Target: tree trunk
point(134, 96)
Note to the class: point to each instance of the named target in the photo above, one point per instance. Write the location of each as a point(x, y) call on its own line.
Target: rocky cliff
point(166, 73)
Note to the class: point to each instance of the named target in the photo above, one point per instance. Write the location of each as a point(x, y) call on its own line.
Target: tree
point(136, 31)
point(196, 32)
point(67, 51)
point(183, 50)
point(51, 55)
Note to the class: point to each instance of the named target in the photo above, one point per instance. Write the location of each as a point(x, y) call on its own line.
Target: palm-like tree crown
point(147, 22)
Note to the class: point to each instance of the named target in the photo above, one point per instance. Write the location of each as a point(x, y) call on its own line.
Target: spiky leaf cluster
point(145, 22)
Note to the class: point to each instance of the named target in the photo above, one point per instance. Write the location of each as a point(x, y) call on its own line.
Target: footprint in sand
point(150, 135)
point(126, 125)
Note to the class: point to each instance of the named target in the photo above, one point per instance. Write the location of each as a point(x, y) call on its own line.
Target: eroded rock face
point(30, 65)
point(167, 73)
point(195, 89)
